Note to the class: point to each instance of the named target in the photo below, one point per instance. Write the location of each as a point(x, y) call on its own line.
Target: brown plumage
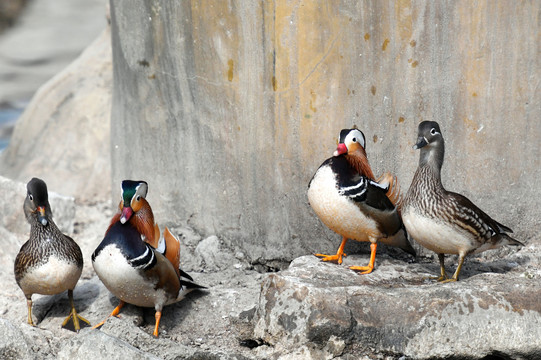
point(172, 252)
point(443, 221)
point(346, 197)
point(394, 192)
point(134, 263)
point(142, 219)
point(49, 262)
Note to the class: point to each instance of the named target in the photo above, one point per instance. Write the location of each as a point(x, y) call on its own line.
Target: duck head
point(430, 142)
point(351, 144)
point(133, 198)
point(36, 204)
point(428, 133)
point(350, 141)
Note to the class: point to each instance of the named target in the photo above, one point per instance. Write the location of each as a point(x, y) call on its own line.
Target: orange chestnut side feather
point(359, 161)
point(143, 221)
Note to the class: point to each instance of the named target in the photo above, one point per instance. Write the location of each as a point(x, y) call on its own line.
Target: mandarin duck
point(346, 197)
point(443, 221)
point(49, 262)
point(134, 263)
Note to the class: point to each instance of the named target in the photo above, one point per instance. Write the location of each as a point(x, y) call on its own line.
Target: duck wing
point(471, 218)
point(372, 200)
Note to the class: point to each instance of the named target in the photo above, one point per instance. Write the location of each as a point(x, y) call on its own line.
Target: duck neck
point(431, 159)
point(359, 162)
point(37, 230)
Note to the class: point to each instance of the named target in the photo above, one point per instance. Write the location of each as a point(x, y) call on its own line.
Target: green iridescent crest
point(130, 188)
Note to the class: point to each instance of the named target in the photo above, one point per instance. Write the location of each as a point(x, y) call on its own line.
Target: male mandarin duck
point(49, 262)
point(134, 263)
point(443, 221)
point(347, 199)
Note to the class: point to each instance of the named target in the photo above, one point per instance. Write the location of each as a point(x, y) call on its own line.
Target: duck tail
point(393, 189)
point(508, 240)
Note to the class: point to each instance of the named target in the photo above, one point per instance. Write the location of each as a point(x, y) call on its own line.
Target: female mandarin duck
point(443, 221)
point(134, 263)
point(345, 196)
point(49, 262)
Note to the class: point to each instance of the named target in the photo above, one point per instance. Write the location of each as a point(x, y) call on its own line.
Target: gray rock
point(213, 256)
point(13, 344)
point(11, 209)
point(394, 311)
point(63, 135)
point(24, 342)
point(95, 344)
point(43, 41)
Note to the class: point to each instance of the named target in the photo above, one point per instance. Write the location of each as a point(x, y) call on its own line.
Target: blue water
point(8, 116)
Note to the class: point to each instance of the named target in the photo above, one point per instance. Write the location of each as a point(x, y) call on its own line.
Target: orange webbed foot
point(114, 313)
point(363, 269)
point(367, 269)
point(332, 258)
point(339, 254)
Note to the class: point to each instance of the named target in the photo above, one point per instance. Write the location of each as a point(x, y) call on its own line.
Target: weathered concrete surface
point(330, 311)
point(232, 106)
point(63, 135)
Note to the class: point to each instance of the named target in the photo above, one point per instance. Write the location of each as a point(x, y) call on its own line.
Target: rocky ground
point(311, 310)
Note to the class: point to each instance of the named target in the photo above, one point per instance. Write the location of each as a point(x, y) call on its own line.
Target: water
point(8, 117)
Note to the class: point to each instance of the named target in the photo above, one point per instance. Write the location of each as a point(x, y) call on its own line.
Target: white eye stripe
point(355, 136)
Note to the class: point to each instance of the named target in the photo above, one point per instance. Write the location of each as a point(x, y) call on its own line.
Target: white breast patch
point(51, 278)
point(338, 212)
point(436, 235)
point(126, 282)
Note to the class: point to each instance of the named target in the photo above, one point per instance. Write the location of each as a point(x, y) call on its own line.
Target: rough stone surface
point(234, 105)
point(206, 325)
point(312, 310)
point(396, 312)
point(63, 135)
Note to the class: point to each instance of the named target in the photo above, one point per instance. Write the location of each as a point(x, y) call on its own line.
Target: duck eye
point(30, 197)
point(138, 198)
point(354, 139)
point(433, 131)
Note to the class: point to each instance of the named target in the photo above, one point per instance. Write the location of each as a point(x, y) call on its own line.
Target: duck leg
point(443, 275)
point(114, 313)
point(29, 304)
point(461, 258)
point(158, 316)
point(339, 253)
point(368, 269)
point(73, 315)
